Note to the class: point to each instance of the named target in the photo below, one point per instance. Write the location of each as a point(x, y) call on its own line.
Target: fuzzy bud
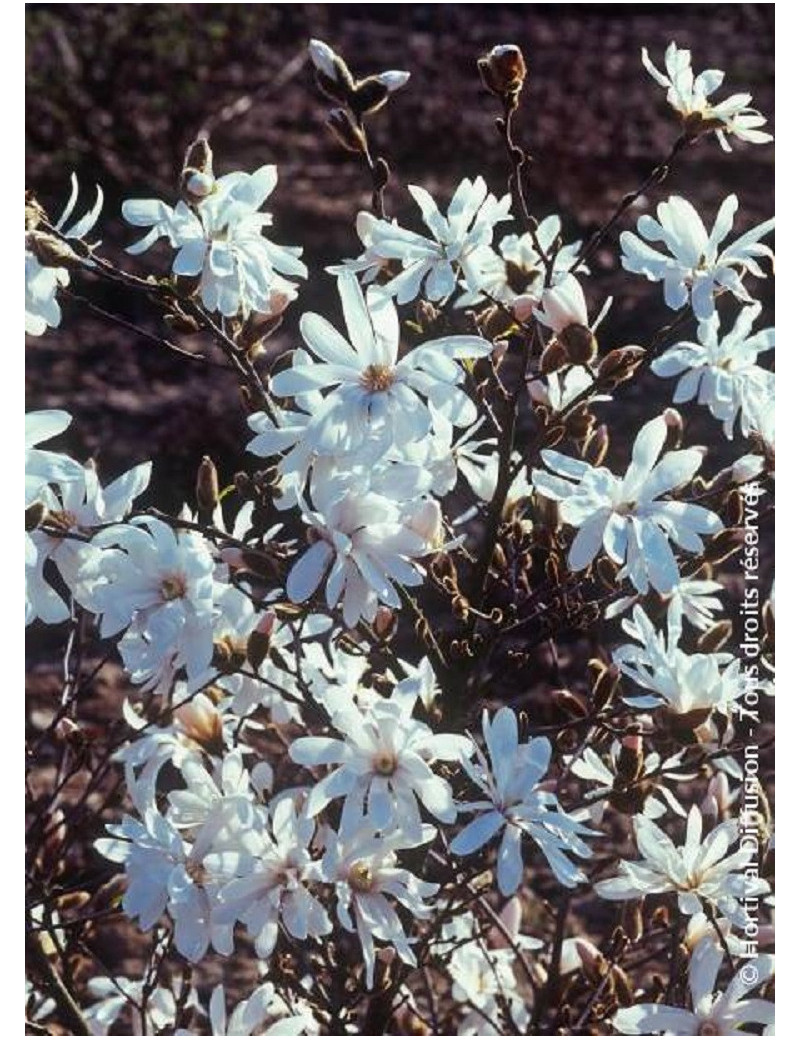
point(579, 343)
point(349, 136)
point(503, 71)
point(51, 251)
point(207, 485)
point(258, 642)
point(619, 365)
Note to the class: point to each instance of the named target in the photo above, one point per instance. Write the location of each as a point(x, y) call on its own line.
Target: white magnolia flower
point(516, 802)
point(76, 509)
point(682, 683)
point(273, 874)
point(701, 872)
point(482, 970)
point(627, 516)
point(689, 96)
point(643, 790)
point(453, 251)
point(694, 264)
point(115, 995)
point(363, 867)
point(364, 543)
point(220, 240)
point(42, 282)
point(46, 467)
point(383, 765)
point(158, 583)
point(559, 389)
point(722, 373)
point(696, 597)
point(375, 395)
point(250, 1017)
point(713, 1013)
point(516, 270)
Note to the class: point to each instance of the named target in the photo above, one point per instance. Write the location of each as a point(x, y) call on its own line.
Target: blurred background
point(117, 92)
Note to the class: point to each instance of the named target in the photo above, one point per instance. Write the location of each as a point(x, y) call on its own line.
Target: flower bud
point(619, 365)
point(579, 343)
point(715, 638)
point(51, 251)
point(207, 486)
point(554, 356)
point(197, 176)
point(503, 71)
point(393, 79)
point(345, 131)
point(385, 624)
point(258, 642)
point(333, 76)
point(35, 515)
point(369, 95)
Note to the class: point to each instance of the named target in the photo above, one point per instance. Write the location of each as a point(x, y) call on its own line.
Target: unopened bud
point(596, 447)
point(35, 514)
point(385, 623)
point(619, 365)
point(349, 136)
point(579, 343)
point(674, 421)
point(554, 356)
point(605, 686)
point(715, 637)
point(51, 251)
point(369, 95)
point(207, 486)
point(630, 758)
point(503, 71)
point(332, 74)
point(259, 640)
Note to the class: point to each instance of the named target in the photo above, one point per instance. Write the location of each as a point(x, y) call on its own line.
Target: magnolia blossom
point(364, 542)
point(363, 867)
point(383, 761)
point(432, 266)
point(722, 373)
point(43, 280)
point(115, 995)
point(516, 802)
point(629, 790)
point(713, 1013)
point(695, 266)
point(482, 970)
point(375, 395)
point(249, 1017)
point(46, 467)
point(220, 241)
point(688, 94)
point(274, 871)
point(627, 516)
point(77, 508)
point(684, 684)
point(701, 871)
point(516, 270)
point(158, 583)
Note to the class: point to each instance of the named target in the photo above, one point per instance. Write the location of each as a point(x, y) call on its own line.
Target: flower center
point(709, 1028)
point(360, 877)
point(385, 763)
point(173, 586)
point(377, 378)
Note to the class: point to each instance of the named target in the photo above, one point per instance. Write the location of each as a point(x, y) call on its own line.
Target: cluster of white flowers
point(294, 783)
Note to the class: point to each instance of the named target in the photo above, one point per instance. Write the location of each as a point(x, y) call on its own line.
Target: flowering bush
point(327, 766)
